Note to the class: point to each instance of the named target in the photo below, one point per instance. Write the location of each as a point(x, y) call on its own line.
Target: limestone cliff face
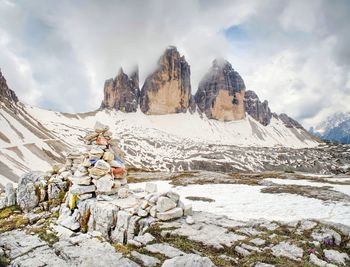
point(122, 92)
point(221, 93)
point(168, 89)
point(5, 92)
point(260, 111)
point(289, 122)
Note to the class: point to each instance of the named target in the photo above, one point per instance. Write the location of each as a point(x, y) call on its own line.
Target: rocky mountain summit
point(5, 91)
point(168, 89)
point(260, 111)
point(334, 128)
point(122, 92)
point(220, 93)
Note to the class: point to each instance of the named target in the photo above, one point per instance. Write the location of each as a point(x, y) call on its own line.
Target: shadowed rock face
point(122, 92)
point(221, 92)
point(168, 89)
point(289, 122)
point(5, 91)
point(259, 111)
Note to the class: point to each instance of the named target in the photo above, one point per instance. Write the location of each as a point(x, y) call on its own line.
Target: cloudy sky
point(295, 54)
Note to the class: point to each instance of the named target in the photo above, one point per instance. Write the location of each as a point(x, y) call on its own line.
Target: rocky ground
point(208, 240)
point(203, 239)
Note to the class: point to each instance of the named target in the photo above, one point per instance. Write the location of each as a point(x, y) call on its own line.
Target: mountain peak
point(5, 92)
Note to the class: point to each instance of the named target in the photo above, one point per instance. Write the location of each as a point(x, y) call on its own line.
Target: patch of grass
point(6, 212)
point(132, 180)
point(205, 199)
point(15, 221)
point(49, 237)
point(4, 261)
point(121, 248)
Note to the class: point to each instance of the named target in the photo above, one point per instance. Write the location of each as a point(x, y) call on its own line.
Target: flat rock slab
point(288, 250)
point(210, 235)
point(146, 260)
point(165, 249)
point(189, 260)
point(81, 250)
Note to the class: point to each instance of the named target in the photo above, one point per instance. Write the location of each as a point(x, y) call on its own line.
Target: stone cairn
point(99, 170)
point(99, 198)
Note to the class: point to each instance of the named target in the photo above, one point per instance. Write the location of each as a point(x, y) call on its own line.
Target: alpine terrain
point(158, 175)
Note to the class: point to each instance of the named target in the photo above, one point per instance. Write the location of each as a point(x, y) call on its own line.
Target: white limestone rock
point(320, 263)
point(31, 190)
point(288, 250)
point(146, 260)
point(336, 256)
point(165, 204)
point(144, 239)
point(189, 260)
point(151, 188)
point(165, 249)
point(170, 214)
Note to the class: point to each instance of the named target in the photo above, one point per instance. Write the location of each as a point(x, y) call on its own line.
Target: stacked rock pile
point(163, 206)
point(99, 170)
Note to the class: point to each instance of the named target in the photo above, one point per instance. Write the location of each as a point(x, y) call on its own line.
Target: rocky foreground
point(208, 240)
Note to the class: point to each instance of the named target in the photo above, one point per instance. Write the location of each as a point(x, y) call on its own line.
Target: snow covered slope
point(181, 126)
point(24, 143)
point(334, 128)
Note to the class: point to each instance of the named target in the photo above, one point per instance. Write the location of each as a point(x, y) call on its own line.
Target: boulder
point(170, 214)
point(31, 190)
point(165, 204)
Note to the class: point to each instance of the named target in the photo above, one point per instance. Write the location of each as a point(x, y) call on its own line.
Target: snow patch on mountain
point(194, 127)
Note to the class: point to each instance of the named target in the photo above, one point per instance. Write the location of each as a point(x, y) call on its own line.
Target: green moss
point(74, 201)
point(6, 212)
point(15, 221)
point(50, 237)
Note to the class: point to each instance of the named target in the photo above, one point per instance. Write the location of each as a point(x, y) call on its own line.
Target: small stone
point(151, 188)
point(320, 263)
point(153, 211)
point(288, 250)
point(103, 165)
point(144, 239)
point(99, 127)
point(165, 249)
point(134, 243)
point(82, 189)
point(165, 204)
point(336, 256)
point(85, 180)
point(258, 241)
point(68, 220)
point(123, 192)
point(188, 209)
point(142, 213)
point(104, 184)
point(145, 259)
point(108, 156)
point(243, 252)
point(173, 196)
point(97, 173)
point(170, 214)
point(189, 220)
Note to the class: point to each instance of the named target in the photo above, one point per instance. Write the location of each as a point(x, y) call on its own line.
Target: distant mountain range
point(162, 126)
point(334, 128)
